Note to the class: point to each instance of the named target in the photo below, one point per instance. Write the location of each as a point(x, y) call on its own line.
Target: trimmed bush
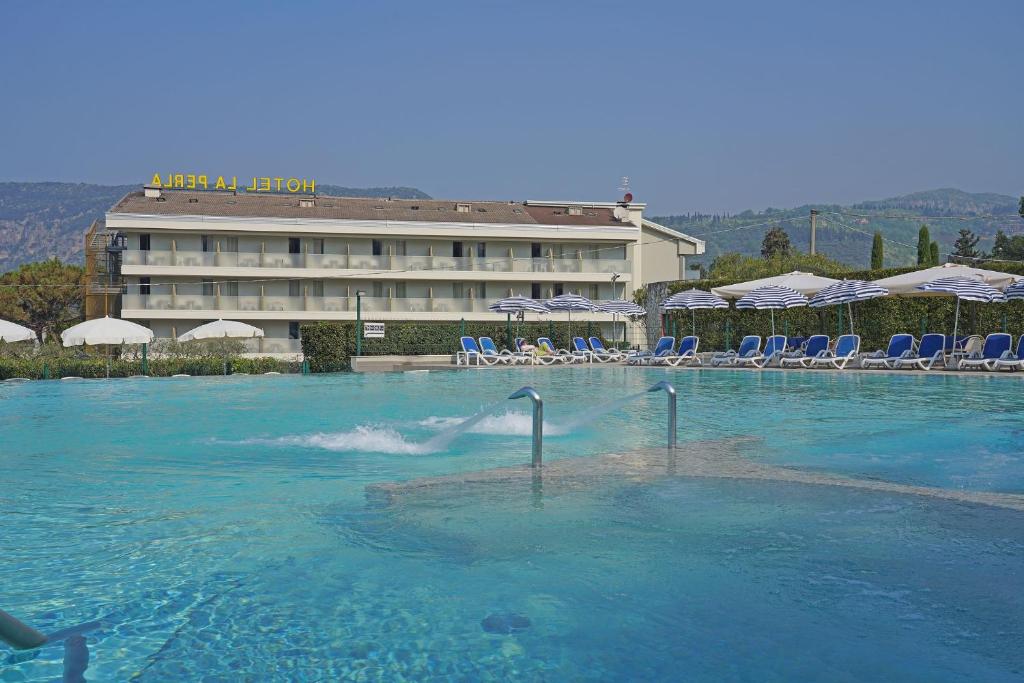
point(56, 366)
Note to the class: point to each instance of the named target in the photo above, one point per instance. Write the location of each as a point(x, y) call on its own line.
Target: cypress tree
point(934, 253)
point(924, 242)
point(877, 252)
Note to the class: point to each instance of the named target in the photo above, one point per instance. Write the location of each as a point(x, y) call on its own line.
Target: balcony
point(252, 303)
point(206, 259)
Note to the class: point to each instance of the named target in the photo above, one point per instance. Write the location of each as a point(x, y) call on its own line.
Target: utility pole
point(814, 226)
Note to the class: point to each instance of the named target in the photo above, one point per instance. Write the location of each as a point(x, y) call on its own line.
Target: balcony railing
point(224, 259)
point(242, 304)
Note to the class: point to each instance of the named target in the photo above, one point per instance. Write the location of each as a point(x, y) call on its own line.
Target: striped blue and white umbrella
point(966, 289)
point(517, 304)
point(693, 300)
point(847, 292)
point(772, 298)
point(1016, 290)
point(570, 303)
point(622, 307)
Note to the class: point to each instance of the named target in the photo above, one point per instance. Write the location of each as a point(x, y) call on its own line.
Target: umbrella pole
point(849, 309)
point(956, 323)
point(693, 320)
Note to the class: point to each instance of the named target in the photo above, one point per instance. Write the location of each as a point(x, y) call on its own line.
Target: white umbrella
point(966, 288)
point(908, 284)
point(807, 284)
point(222, 329)
point(847, 292)
point(693, 300)
point(106, 330)
point(12, 332)
point(772, 299)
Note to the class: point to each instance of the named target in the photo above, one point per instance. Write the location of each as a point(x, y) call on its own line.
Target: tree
point(700, 269)
point(738, 267)
point(924, 242)
point(1008, 248)
point(877, 252)
point(776, 244)
point(934, 253)
point(45, 296)
point(966, 244)
point(1020, 209)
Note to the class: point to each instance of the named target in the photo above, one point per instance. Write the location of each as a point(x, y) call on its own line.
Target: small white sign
point(373, 330)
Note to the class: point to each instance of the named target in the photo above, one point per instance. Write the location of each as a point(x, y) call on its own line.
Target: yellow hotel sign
point(199, 181)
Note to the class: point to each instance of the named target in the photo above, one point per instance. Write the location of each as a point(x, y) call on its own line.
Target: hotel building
point(173, 259)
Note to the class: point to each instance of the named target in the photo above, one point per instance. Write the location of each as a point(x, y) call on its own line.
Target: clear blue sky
point(726, 107)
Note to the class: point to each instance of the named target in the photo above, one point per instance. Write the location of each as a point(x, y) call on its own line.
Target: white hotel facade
point(277, 261)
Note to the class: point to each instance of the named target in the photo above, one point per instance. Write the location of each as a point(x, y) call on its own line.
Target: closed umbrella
point(106, 330)
point(965, 288)
point(772, 299)
point(693, 300)
point(847, 292)
point(570, 303)
point(12, 332)
point(222, 329)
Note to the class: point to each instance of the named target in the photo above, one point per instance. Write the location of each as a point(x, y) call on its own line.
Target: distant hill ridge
point(42, 220)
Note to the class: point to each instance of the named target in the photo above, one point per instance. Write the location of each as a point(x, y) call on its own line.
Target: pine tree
point(966, 244)
point(924, 241)
point(877, 252)
point(933, 253)
point(775, 243)
point(1020, 209)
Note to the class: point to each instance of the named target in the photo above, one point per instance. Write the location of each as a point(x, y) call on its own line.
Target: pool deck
point(718, 459)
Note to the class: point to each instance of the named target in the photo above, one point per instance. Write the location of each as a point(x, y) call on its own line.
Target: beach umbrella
point(1016, 290)
point(693, 300)
point(847, 292)
point(807, 284)
point(222, 329)
point(515, 304)
point(908, 284)
point(772, 298)
point(966, 289)
point(617, 307)
point(106, 330)
point(570, 303)
point(12, 332)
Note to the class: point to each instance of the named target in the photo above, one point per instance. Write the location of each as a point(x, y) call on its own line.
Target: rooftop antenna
point(627, 196)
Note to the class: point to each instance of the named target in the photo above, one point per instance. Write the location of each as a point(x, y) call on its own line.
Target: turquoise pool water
point(230, 529)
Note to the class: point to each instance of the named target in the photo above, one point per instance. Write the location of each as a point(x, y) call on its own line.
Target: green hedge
point(57, 367)
point(875, 321)
point(328, 346)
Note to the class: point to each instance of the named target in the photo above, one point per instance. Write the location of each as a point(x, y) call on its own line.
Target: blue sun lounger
point(995, 346)
point(846, 349)
point(531, 357)
point(815, 346)
point(561, 355)
point(599, 353)
point(580, 348)
point(664, 347)
point(930, 352)
point(1012, 361)
point(901, 347)
point(685, 355)
point(490, 350)
point(773, 348)
point(749, 346)
point(472, 355)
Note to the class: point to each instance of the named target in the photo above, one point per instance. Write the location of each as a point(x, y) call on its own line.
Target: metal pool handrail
point(671, 392)
point(18, 634)
point(538, 422)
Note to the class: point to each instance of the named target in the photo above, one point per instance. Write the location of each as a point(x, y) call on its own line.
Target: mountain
point(845, 232)
point(42, 220)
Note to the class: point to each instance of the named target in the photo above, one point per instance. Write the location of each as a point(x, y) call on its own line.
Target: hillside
point(42, 220)
point(845, 232)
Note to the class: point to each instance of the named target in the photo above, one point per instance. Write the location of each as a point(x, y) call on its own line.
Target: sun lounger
point(750, 346)
point(1012, 361)
point(471, 353)
point(664, 347)
point(685, 355)
point(580, 348)
point(816, 345)
point(773, 348)
point(598, 347)
point(846, 349)
point(532, 356)
point(561, 355)
point(489, 349)
point(930, 352)
point(995, 346)
point(901, 346)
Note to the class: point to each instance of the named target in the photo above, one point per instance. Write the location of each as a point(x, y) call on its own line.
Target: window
point(535, 250)
point(208, 288)
point(293, 330)
point(375, 248)
point(575, 211)
point(378, 289)
point(295, 288)
point(481, 290)
point(559, 289)
point(463, 208)
point(457, 249)
point(230, 288)
point(535, 290)
point(206, 242)
point(400, 247)
point(294, 246)
point(594, 295)
point(144, 286)
point(481, 249)
point(457, 290)
point(231, 244)
point(316, 287)
point(400, 290)
point(144, 242)
point(316, 246)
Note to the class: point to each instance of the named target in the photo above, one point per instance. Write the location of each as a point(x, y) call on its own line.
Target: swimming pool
point(235, 528)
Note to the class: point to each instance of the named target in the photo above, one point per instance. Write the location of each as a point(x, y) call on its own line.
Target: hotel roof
point(254, 205)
